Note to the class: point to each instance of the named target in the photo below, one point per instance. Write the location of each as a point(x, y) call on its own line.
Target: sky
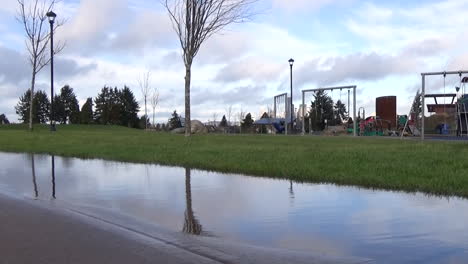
point(380, 46)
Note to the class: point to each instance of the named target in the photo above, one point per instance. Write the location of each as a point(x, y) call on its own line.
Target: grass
point(439, 168)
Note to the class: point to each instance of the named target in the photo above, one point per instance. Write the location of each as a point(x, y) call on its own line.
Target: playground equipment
point(353, 87)
point(281, 113)
point(386, 109)
point(409, 122)
point(373, 126)
point(460, 108)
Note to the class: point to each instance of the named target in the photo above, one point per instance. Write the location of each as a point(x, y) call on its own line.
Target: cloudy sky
point(381, 46)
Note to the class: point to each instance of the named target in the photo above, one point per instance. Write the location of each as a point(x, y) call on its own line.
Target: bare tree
point(195, 21)
point(154, 101)
point(229, 114)
point(241, 116)
point(215, 117)
point(33, 18)
point(144, 83)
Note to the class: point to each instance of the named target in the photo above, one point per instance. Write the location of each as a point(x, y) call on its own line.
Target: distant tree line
point(112, 106)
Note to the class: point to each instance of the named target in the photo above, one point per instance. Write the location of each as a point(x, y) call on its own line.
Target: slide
point(279, 128)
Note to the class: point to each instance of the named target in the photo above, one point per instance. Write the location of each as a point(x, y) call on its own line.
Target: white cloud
point(292, 5)
point(252, 68)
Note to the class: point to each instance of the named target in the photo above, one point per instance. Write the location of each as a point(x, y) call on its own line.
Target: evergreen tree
point(129, 109)
point(59, 114)
point(263, 128)
point(142, 124)
point(86, 115)
point(71, 109)
point(102, 112)
point(417, 111)
point(41, 106)
point(174, 121)
point(340, 112)
point(4, 120)
point(223, 122)
point(247, 122)
point(321, 110)
point(22, 108)
point(116, 107)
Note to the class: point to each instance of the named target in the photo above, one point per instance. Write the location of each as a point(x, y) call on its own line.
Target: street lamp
point(291, 63)
point(51, 15)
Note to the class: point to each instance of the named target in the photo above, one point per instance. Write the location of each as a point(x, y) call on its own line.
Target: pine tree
point(174, 121)
point(86, 114)
point(22, 108)
point(70, 106)
point(4, 120)
point(321, 110)
point(103, 106)
point(247, 122)
point(59, 115)
point(340, 112)
point(223, 122)
point(129, 109)
point(41, 106)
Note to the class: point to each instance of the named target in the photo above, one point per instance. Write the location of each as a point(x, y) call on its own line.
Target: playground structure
point(281, 115)
point(281, 105)
point(352, 87)
point(456, 110)
point(448, 113)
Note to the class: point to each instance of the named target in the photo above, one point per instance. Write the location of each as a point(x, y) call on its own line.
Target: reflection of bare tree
point(191, 224)
point(33, 170)
point(291, 190)
point(53, 176)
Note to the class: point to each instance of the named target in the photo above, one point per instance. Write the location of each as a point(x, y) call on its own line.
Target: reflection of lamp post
point(291, 108)
point(53, 176)
point(51, 15)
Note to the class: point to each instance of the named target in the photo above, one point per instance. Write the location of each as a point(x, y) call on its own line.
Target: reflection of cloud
point(324, 218)
point(314, 243)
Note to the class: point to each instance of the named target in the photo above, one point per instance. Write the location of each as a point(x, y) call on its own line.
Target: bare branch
point(32, 16)
point(195, 21)
point(144, 83)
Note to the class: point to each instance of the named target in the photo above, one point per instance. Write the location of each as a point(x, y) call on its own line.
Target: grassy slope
point(432, 167)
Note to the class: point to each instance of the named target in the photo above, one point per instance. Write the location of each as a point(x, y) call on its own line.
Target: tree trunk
point(31, 103)
point(188, 73)
point(146, 116)
point(153, 117)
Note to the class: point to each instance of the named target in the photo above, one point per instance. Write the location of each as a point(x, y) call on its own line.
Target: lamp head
point(51, 15)
point(457, 89)
point(291, 62)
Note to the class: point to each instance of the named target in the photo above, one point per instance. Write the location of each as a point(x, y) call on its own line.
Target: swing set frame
point(423, 93)
point(353, 87)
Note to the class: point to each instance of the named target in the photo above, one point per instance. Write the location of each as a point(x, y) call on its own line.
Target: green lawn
point(432, 167)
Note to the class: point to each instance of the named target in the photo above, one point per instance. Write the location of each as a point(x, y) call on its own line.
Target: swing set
point(349, 88)
point(458, 109)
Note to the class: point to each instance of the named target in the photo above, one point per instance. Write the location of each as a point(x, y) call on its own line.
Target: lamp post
point(291, 108)
point(51, 15)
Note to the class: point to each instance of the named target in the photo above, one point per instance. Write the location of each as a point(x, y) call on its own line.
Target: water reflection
point(389, 227)
point(53, 176)
point(191, 223)
point(34, 180)
point(33, 171)
point(291, 190)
